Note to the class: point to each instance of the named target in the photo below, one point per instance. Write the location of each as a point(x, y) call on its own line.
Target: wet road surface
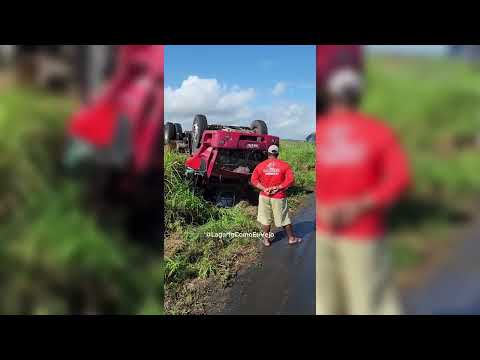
point(454, 289)
point(285, 282)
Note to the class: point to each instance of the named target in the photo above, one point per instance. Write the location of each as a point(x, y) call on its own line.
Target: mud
point(284, 283)
point(454, 287)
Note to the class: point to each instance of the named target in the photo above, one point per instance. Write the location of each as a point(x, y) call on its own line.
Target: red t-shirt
point(357, 156)
point(274, 172)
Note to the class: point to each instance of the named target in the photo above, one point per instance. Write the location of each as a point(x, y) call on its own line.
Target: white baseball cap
point(273, 149)
point(344, 80)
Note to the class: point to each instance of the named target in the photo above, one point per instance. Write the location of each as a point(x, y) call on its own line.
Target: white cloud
point(209, 97)
point(233, 106)
point(289, 120)
point(279, 89)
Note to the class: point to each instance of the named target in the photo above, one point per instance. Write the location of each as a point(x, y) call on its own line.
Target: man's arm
point(256, 180)
point(289, 180)
point(396, 176)
point(287, 183)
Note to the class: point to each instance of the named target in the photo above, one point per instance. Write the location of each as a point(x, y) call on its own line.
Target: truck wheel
point(200, 124)
point(260, 127)
point(188, 141)
point(178, 131)
point(169, 133)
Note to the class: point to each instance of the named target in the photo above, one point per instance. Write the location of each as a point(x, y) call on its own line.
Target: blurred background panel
point(430, 96)
point(63, 251)
point(60, 67)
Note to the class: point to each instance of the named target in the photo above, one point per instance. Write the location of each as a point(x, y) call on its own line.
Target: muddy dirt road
point(453, 288)
point(285, 282)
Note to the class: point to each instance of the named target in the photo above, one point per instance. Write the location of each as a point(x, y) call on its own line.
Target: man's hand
point(350, 211)
point(274, 190)
point(346, 213)
point(329, 216)
point(269, 191)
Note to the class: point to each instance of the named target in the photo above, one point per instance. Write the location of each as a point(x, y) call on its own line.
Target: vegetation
point(194, 262)
point(56, 259)
point(54, 256)
point(434, 105)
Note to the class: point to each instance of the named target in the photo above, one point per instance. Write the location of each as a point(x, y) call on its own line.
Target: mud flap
point(79, 157)
point(82, 158)
point(225, 199)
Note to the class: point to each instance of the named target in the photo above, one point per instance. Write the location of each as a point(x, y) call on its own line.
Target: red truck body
point(243, 148)
point(134, 92)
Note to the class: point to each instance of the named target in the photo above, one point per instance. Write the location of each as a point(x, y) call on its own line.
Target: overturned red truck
point(116, 139)
point(123, 125)
point(222, 157)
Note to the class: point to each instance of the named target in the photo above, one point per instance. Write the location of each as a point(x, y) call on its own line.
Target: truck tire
point(188, 140)
point(169, 133)
point(178, 131)
point(260, 127)
point(200, 124)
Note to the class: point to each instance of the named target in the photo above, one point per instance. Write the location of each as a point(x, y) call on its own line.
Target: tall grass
point(434, 106)
point(182, 205)
point(54, 256)
point(301, 157)
point(189, 218)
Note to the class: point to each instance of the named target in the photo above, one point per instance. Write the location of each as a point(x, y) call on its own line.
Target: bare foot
point(295, 241)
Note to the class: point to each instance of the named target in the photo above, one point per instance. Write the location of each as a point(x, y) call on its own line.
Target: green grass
point(434, 106)
point(188, 218)
point(182, 205)
point(54, 257)
point(301, 157)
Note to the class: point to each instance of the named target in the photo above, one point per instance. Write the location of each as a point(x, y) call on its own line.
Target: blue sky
point(238, 84)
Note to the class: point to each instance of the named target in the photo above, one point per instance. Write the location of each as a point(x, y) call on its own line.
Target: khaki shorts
point(354, 278)
point(273, 211)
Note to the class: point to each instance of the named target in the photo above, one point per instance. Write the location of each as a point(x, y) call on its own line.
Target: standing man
point(361, 172)
point(273, 178)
